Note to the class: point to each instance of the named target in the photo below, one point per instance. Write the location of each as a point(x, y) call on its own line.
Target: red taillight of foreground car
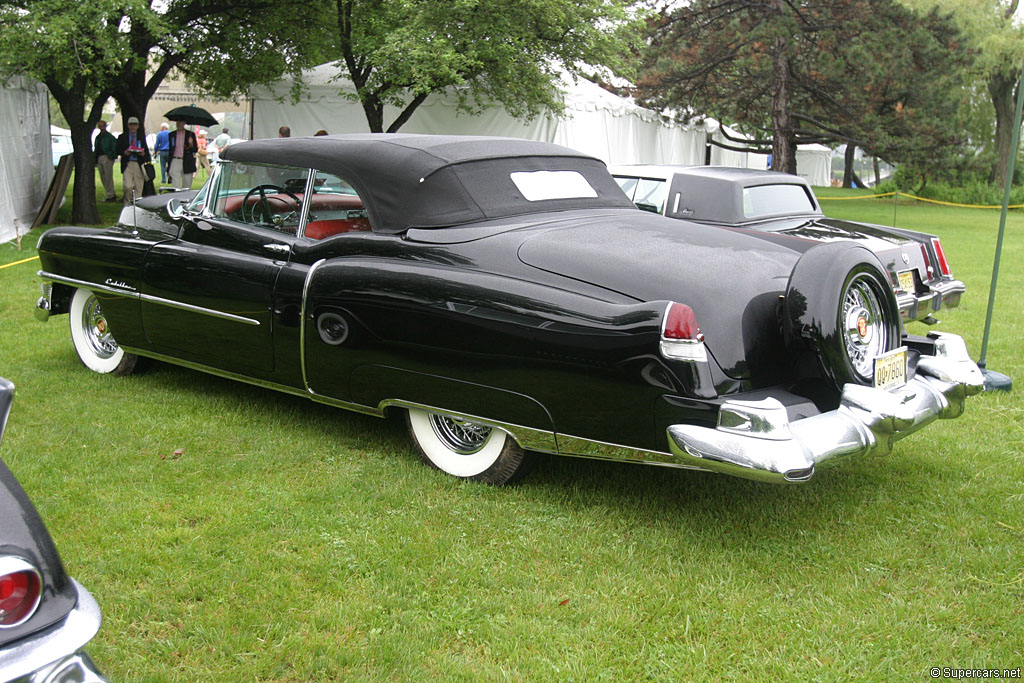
point(941, 255)
point(20, 590)
point(681, 337)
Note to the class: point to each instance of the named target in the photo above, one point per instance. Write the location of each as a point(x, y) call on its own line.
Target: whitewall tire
point(94, 343)
point(466, 449)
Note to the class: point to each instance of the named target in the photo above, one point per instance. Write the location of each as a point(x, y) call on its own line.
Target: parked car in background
point(46, 617)
point(506, 297)
point(784, 204)
point(60, 143)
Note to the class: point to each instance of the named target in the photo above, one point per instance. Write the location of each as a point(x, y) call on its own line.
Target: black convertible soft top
point(431, 181)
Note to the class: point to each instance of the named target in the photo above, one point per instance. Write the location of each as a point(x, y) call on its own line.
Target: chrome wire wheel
point(864, 329)
point(465, 448)
point(97, 331)
point(461, 436)
point(93, 340)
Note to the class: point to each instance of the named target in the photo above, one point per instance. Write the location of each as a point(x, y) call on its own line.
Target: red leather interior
point(323, 204)
point(318, 230)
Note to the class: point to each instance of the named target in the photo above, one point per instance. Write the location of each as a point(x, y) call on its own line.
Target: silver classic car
point(46, 617)
point(771, 202)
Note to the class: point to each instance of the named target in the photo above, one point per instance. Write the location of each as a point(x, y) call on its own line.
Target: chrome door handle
point(279, 248)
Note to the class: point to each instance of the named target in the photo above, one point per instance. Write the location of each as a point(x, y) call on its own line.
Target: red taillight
point(941, 255)
point(681, 323)
point(20, 590)
point(681, 337)
point(929, 271)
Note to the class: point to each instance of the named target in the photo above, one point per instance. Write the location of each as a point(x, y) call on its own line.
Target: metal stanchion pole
point(997, 380)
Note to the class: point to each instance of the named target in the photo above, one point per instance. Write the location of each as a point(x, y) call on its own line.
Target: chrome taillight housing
point(940, 254)
point(681, 338)
point(929, 271)
point(21, 588)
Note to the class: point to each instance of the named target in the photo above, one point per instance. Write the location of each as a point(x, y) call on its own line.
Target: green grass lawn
point(234, 534)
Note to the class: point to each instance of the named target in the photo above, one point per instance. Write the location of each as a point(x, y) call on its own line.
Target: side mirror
point(175, 208)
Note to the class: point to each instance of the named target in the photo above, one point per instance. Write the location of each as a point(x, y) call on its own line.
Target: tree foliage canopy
point(86, 52)
point(998, 36)
point(399, 52)
point(868, 72)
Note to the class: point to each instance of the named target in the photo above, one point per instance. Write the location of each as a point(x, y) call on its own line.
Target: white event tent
point(25, 163)
point(596, 122)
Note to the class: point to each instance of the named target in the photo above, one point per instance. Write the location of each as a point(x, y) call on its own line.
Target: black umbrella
point(191, 114)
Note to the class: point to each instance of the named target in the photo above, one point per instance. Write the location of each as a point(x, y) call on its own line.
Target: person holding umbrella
point(183, 147)
point(183, 143)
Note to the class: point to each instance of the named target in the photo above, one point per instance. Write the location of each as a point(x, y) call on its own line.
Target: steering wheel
point(264, 203)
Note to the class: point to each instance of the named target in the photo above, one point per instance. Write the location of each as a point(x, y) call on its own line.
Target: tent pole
point(997, 380)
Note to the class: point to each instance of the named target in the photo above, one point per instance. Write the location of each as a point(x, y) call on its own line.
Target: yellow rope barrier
point(26, 260)
point(921, 199)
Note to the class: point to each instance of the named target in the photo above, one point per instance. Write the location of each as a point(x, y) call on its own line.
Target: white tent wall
point(25, 162)
point(814, 162)
point(596, 122)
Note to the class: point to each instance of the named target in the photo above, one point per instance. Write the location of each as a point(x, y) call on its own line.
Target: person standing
point(105, 149)
point(183, 147)
point(284, 132)
point(220, 143)
point(204, 162)
point(163, 148)
point(133, 150)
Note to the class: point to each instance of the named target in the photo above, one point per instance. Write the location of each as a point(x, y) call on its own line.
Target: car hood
point(732, 278)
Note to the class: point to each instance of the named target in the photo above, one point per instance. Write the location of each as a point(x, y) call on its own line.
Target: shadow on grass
point(646, 495)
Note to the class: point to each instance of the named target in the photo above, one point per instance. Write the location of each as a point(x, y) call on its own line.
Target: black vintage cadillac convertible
point(508, 299)
point(46, 617)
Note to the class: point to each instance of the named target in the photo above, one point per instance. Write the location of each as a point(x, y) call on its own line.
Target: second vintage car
point(46, 617)
point(785, 204)
point(508, 299)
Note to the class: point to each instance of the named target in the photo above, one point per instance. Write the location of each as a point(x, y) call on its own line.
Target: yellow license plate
point(906, 280)
point(891, 369)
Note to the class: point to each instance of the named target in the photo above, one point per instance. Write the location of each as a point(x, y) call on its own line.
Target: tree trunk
point(878, 173)
point(1002, 92)
point(783, 144)
point(374, 110)
point(848, 158)
point(83, 206)
point(72, 103)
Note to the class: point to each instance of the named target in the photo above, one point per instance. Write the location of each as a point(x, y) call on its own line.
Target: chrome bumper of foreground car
point(940, 295)
point(54, 655)
point(756, 440)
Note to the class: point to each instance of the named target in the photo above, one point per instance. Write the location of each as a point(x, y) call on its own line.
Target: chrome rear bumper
point(940, 295)
point(756, 440)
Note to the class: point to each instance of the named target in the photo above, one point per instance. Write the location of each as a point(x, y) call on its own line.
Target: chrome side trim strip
point(96, 287)
point(83, 284)
point(198, 309)
point(578, 447)
point(302, 325)
point(215, 371)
